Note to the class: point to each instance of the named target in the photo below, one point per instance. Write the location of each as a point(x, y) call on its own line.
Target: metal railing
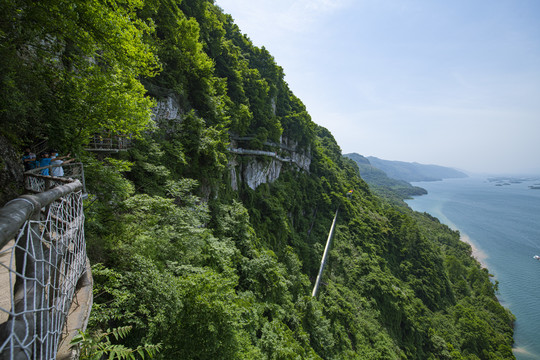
point(272, 154)
point(108, 143)
point(268, 143)
point(42, 259)
point(36, 182)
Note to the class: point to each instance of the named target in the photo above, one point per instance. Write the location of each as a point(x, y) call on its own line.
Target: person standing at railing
point(29, 159)
point(45, 161)
point(57, 160)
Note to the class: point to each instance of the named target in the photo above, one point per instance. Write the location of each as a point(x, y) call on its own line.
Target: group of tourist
point(50, 159)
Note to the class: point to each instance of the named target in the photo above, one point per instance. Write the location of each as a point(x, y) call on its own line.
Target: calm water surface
point(503, 225)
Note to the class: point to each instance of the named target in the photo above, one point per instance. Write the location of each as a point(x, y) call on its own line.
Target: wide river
point(501, 220)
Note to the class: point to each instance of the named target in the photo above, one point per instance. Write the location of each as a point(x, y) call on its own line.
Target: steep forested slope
point(389, 188)
point(414, 171)
point(207, 271)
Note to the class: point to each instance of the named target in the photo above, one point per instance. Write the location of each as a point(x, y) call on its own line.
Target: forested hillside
point(414, 171)
point(183, 250)
point(387, 187)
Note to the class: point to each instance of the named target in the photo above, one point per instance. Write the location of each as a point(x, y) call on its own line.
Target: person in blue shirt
point(45, 161)
point(29, 159)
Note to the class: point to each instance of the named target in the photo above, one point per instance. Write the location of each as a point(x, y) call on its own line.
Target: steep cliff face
point(167, 108)
point(11, 174)
point(251, 166)
point(257, 172)
point(256, 167)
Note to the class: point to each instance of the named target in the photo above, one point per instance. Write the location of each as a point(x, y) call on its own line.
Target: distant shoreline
point(477, 253)
point(502, 239)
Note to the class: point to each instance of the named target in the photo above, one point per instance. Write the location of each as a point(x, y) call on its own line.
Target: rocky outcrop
point(167, 108)
point(11, 173)
point(301, 160)
point(261, 166)
point(256, 172)
point(233, 168)
point(168, 103)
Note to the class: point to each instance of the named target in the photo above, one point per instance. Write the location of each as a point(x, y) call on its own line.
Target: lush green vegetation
point(391, 189)
point(212, 273)
point(414, 171)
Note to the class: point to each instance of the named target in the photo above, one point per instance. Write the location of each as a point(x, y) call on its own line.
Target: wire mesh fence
point(42, 258)
point(35, 181)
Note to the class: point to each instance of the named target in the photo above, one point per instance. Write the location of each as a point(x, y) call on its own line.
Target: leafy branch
point(95, 346)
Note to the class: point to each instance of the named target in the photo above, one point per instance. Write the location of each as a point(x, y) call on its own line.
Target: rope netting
point(40, 267)
point(36, 182)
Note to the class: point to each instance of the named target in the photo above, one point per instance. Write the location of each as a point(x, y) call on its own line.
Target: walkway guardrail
point(268, 143)
point(108, 143)
point(273, 154)
point(35, 181)
point(42, 261)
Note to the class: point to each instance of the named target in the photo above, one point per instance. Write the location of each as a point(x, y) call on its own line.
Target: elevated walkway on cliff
point(271, 154)
point(300, 158)
point(267, 143)
point(108, 143)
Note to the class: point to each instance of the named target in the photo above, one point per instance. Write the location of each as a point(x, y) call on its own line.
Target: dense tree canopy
point(71, 68)
point(204, 270)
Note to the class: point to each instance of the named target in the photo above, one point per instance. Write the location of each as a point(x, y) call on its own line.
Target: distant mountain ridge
point(381, 183)
point(391, 179)
point(412, 172)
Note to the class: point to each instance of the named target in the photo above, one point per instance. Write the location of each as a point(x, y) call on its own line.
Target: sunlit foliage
point(212, 273)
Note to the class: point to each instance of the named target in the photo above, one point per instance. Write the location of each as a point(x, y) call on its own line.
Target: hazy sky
point(454, 83)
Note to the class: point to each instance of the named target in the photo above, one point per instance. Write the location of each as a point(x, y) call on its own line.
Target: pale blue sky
point(454, 83)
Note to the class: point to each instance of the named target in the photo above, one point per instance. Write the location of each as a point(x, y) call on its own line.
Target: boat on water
point(537, 257)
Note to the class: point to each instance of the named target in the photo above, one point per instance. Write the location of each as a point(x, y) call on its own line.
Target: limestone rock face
point(256, 172)
point(167, 108)
point(302, 160)
point(260, 167)
point(299, 157)
point(233, 164)
point(11, 172)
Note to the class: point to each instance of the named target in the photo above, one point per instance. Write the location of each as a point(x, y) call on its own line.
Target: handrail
point(40, 147)
point(42, 259)
point(272, 154)
point(16, 212)
point(108, 143)
point(36, 182)
point(268, 143)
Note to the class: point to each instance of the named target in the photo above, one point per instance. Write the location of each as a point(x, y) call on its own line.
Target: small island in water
point(505, 181)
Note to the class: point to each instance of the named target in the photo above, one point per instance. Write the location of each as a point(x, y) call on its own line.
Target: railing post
point(82, 179)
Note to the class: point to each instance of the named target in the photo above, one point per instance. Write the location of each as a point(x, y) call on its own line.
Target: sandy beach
point(478, 254)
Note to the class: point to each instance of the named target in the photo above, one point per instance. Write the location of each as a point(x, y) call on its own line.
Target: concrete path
point(6, 286)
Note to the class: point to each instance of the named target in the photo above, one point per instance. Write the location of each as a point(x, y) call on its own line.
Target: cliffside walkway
point(107, 143)
point(45, 279)
point(272, 154)
point(268, 143)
